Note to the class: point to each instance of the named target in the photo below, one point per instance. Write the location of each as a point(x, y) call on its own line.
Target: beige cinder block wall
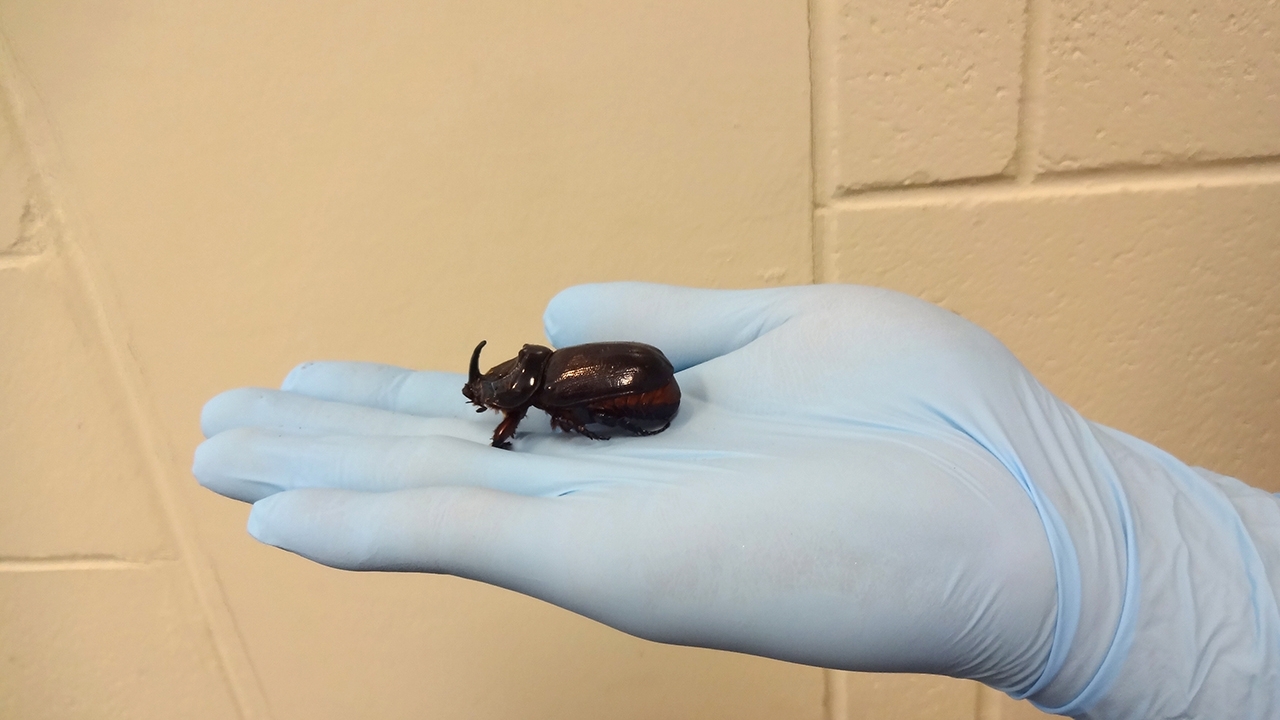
point(195, 196)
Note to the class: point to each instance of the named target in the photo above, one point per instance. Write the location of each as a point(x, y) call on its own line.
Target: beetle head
point(509, 385)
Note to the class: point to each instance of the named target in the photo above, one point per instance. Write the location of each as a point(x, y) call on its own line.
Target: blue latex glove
point(856, 479)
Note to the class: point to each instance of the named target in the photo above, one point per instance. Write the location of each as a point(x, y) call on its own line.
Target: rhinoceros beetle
point(626, 385)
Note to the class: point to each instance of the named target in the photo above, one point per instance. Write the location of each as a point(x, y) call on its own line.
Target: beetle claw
point(583, 431)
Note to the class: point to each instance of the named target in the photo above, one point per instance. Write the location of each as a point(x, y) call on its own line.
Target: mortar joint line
point(1162, 178)
point(820, 16)
point(1030, 131)
point(17, 261)
point(835, 700)
point(75, 563)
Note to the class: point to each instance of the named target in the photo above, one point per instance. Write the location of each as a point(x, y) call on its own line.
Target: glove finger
point(542, 547)
point(469, 532)
point(689, 325)
point(293, 413)
point(386, 387)
point(249, 464)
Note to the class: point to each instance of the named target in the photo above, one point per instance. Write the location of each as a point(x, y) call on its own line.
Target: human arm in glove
point(856, 479)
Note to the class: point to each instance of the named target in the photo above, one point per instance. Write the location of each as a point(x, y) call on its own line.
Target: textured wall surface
point(196, 196)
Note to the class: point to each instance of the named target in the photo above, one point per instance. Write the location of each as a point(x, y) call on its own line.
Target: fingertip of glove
point(563, 314)
point(210, 413)
point(259, 523)
point(213, 456)
point(227, 409)
point(200, 462)
point(295, 375)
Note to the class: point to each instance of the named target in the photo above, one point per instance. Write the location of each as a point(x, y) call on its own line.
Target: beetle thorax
point(509, 385)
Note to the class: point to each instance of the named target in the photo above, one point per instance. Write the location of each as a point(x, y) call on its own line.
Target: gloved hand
point(856, 479)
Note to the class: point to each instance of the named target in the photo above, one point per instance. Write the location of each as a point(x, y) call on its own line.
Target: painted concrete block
point(106, 644)
point(73, 481)
point(1007, 709)
point(1143, 82)
point(329, 644)
point(1153, 311)
point(874, 696)
point(920, 91)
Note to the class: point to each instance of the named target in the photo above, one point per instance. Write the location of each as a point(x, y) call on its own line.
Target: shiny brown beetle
point(627, 385)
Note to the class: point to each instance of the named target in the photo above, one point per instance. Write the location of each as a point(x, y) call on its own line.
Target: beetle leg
point(507, 428)
point(583, 431)
point(633, 428)
point(568, 423)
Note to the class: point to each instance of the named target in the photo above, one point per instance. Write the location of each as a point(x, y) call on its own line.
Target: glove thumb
point(689, 325)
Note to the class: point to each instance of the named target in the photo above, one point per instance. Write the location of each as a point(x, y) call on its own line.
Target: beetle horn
point(473, 373)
